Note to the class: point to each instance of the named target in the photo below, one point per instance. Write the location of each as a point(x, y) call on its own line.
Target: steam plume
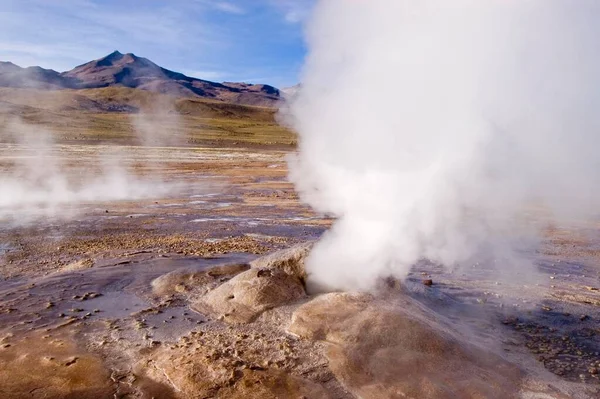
point(44, 179)
point(429, 126)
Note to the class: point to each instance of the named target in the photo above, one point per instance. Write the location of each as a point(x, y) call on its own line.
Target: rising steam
point(429, 126)
point(42, 179)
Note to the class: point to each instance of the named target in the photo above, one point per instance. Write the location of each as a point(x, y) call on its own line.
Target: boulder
point(187, 280)
point(247, 295)
point(290, 260)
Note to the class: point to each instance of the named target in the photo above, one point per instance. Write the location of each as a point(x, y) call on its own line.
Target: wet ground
point(79, 272)
point(194, 202)
point(76, 278)
point(543, 315)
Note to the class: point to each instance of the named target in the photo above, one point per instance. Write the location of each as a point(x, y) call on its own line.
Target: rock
point(378, 350)
point(290, 260)
point(186, 280)
point(428, 282)
point(78, 265)
point(243, 298)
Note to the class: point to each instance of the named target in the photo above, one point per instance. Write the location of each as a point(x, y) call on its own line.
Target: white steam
point(428, 126)
point(40, 178)
point(159, 124)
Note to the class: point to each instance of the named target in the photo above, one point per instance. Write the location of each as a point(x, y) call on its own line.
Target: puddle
point(203, 220)
point(4, 248)
point(211, 205)
point(302, 218)
point(112, 290)
point(204, 195)
point(172, 323)
point(165, 205)
point(112, 305)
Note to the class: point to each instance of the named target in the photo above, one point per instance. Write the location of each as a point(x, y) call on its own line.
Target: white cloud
point(81, 30)
point(218, 40)
point(293, 11)
point(229, 8)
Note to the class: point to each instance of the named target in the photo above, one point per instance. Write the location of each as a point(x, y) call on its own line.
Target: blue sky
point(258, 41)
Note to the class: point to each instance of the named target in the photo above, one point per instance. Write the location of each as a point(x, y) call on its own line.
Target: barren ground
point(117, 299)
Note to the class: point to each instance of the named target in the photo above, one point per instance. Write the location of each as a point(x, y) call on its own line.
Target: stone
point(247, 295)
point(290, 260)
point(187, 280)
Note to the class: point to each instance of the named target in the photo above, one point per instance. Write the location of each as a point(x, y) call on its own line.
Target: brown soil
point(137, 302)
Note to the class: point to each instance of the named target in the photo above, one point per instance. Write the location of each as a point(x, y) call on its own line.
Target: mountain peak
point(110, 59)
point(129, 70)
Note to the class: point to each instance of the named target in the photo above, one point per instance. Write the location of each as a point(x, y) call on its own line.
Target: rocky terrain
point(129, 70)
point(247, 330)
point(202, 293)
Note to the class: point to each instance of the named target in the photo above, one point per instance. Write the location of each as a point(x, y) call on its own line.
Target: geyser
point(427, 127)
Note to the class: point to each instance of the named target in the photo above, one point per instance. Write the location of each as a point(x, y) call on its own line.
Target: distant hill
point(12, 75)
point(129, 70)
point(109, 114)
point(124, 100)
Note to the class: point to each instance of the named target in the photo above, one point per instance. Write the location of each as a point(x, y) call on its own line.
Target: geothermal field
point(178, 272)
point(418, 218)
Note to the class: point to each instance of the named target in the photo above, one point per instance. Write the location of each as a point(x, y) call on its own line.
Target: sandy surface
point(98, 298)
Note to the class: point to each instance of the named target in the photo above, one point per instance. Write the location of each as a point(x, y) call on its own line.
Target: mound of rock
point(380, 350)
point(361, 345)
point(247, 295)
point(190, 280)
point(272, 281)
point(290, 260)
